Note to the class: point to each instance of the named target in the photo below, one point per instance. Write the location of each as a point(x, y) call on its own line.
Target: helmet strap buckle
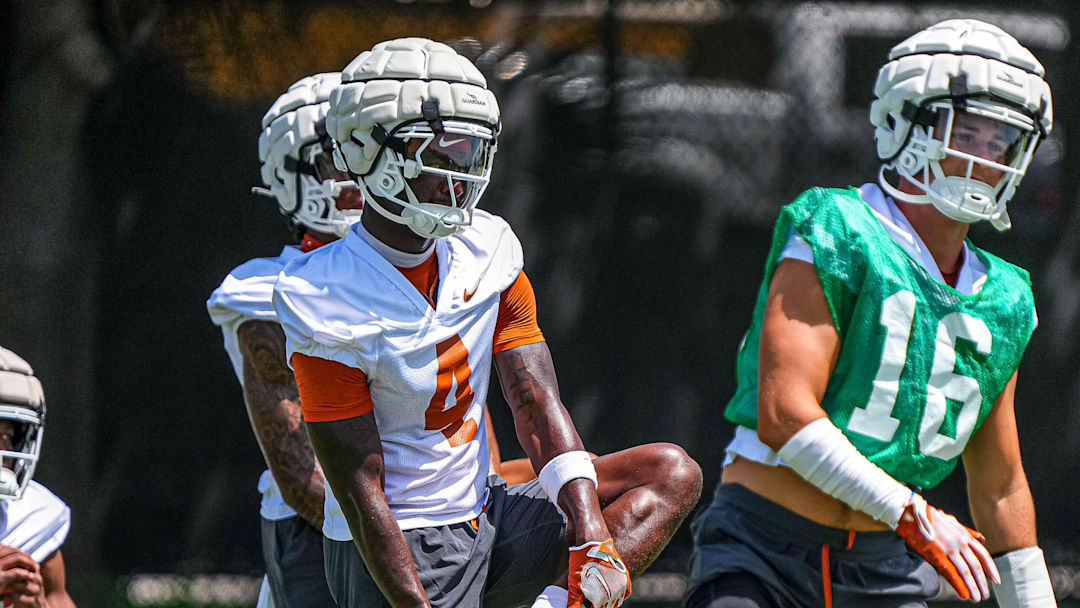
point(429, 109)
point(958, 90)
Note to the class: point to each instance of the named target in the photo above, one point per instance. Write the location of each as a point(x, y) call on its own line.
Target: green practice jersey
point(920, 363)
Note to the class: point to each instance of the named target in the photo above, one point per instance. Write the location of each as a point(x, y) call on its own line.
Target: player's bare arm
point(54, 578)
point(544, 428)
point(273, 405)
point(20, 576)
point(799, 349)
point(1002, 507)
point(351, 455)
point(998, 489)
point(643, 493)
point(28, 584)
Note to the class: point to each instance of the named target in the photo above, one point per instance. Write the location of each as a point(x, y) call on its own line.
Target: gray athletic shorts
point(292, 550)
point(517, 548)
point(741, 532)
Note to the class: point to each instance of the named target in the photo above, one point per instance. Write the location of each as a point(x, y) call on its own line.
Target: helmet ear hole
point(909, 162)
point(386, 183)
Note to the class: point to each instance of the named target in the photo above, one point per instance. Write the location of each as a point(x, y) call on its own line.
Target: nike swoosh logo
point(444, 142)
point(470, 294)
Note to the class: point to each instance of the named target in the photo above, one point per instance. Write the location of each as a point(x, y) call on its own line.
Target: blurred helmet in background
point(967, 90)
point(22, 411)
point(410, 107)
point(297, 159)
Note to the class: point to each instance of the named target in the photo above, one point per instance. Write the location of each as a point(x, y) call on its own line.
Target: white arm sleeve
point(822, 455)
point(1025, 582)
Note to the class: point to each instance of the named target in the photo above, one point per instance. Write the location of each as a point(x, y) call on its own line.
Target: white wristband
point(822, 455)
point(563, 468)
point(1025, 582)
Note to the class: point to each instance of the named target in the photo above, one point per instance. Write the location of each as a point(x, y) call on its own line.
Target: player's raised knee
point(674, 469)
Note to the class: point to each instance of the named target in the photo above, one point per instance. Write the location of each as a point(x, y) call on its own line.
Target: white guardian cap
point(410, 107)
point(22, 405)
point(964, 90)
point(297, 161)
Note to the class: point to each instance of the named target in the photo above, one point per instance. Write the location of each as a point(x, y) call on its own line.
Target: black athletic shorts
point(292, 550)
point(502, 559)
point(750, 549)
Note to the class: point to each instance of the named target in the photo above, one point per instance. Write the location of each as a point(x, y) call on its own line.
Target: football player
point(884, 347)
point(392, 332)
point(298, 171)
point(33, 522)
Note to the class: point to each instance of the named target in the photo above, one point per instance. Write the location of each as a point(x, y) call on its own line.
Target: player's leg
point(646, 492)
point(266, 599)
point(451, 561)
point(347, 577)
point(300, 561)
point(274, 578)
point(530, 543)
point(736, 590)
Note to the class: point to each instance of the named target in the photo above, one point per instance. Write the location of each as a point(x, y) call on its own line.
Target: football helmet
point(964, 90)
point(22, 405)
point(410, 107)
point(297, 158)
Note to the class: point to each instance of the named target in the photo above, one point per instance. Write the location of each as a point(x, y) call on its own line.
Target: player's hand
point(953, 549)
point(598, 576)
point(20, 576)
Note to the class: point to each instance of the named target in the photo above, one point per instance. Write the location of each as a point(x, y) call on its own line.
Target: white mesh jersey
point(244, 295)
point(746, 443)
point(37, 523)
point(427, 369)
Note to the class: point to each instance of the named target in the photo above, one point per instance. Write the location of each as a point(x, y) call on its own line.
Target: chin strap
point(900, 195)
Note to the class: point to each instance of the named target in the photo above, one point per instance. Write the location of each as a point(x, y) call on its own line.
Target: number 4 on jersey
point(453, 360)
point(876, 420)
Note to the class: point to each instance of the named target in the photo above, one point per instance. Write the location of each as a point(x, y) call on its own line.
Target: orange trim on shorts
point(850, 540)
point(826, 581)
point(330, 390)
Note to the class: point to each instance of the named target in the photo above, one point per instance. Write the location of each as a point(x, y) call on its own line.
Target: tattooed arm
point(545, 430)
point(273, 406)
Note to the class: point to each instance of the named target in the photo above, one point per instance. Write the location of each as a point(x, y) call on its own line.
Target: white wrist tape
point(563, 468)
point(1025, 582)
point(822, 455)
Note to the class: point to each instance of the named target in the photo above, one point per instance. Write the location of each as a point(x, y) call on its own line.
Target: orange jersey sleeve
point(330, 390)
point(516, 324)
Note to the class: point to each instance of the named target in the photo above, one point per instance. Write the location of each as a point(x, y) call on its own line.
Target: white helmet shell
point(950, 63)
point(411, 82)
point(22, 404)
point(289, 140)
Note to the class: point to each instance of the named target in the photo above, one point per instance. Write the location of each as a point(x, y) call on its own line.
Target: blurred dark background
point(647, 148)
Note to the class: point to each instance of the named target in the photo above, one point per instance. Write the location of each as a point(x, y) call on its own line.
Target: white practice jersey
point(344, 302)
point(245, 295)
point(37, 523)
